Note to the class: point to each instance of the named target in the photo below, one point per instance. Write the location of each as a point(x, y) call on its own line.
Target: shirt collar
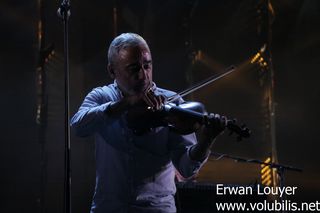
point(117, 88)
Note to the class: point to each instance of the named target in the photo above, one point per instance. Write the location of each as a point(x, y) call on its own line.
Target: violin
point(183, 118)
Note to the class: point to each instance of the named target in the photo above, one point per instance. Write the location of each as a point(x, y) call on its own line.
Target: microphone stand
point(64, 13)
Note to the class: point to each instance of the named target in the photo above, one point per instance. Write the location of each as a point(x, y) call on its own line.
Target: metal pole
point(64, 13)
point(272, 103)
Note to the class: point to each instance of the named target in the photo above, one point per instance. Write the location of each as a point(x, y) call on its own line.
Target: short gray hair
point(123, 41)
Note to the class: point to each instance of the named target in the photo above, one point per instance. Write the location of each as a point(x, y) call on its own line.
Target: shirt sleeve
point(180, 154)
point(91, 114)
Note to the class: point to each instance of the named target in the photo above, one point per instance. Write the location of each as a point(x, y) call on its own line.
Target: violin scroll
point(242, 131)
point(195, 112)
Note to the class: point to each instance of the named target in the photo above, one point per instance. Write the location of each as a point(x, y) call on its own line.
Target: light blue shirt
point(133, 173)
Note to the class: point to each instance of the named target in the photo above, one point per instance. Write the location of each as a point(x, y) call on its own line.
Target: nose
point(143, 73)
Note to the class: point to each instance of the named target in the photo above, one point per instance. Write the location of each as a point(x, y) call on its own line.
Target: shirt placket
point(131, 165)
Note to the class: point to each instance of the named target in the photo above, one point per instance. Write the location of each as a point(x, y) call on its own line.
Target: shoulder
point(104, 93)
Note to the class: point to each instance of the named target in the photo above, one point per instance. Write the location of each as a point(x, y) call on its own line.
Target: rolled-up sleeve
point(91, 114)
point(180, 154)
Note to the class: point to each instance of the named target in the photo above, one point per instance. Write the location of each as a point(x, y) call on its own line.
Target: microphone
point(64, 10)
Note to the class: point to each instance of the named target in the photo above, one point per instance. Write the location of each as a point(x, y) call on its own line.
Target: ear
point(111, 71)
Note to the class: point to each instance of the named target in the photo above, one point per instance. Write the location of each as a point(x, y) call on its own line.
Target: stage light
point(255, 58)
point(199, 55)
point(261, 60)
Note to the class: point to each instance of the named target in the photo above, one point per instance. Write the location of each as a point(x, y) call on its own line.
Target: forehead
point(135, 53)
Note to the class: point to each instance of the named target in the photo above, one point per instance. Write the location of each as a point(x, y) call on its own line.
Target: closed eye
point(133, 68)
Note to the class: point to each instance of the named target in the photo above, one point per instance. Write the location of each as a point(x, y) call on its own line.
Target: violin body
point(184, 118)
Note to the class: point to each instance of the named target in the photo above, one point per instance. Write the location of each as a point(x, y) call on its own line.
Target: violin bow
point(201, 84)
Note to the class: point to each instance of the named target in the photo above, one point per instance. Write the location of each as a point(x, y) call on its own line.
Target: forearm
point(96, 109)
point(202, 149)
point(180, 155)
point(199, 152)
point(86, 120)
point(116, 109)
point(208, 133)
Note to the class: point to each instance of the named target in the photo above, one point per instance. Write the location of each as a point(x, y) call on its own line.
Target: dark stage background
point(189, 40)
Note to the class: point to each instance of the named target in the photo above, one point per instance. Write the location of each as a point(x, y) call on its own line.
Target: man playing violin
point(135, 172)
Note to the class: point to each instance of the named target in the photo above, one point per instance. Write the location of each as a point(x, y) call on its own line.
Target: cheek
point(149, 73)
point(123, 79)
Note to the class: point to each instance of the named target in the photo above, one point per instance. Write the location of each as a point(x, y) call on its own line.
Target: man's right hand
point(137, 104)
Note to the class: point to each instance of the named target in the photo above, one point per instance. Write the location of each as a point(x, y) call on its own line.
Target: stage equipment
point(64, 13)
point(201, 197)
point(278, 168)
point(266, 178)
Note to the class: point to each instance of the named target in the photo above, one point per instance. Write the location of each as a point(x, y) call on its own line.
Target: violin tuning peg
point(248, 131)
